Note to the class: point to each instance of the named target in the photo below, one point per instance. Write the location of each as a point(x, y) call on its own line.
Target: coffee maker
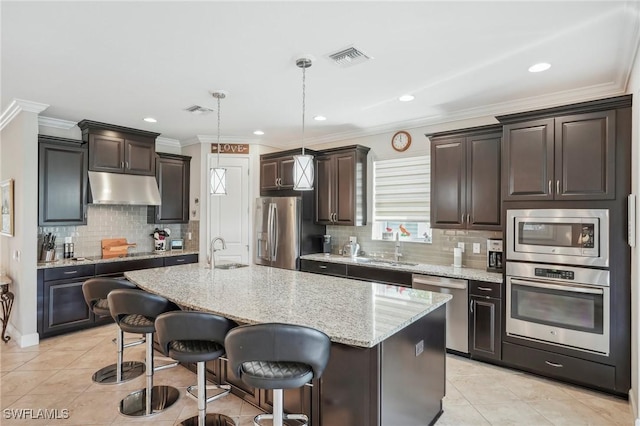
point(494, 255)
point(326, 244)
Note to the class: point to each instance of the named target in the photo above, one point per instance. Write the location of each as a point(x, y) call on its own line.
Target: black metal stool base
point(213, 419)
point(135, 404)
point(108, 375)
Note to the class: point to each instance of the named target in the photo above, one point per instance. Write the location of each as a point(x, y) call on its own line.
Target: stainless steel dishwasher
point(457, 316)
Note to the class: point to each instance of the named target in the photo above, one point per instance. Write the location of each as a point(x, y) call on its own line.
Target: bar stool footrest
point(221, 390)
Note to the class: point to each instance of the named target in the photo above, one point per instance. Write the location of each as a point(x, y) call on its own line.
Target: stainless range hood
point(117, 189)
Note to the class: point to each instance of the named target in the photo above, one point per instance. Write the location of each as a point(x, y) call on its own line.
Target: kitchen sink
point(230, 266)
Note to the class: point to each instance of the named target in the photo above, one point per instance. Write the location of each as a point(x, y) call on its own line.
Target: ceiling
point(118, 62)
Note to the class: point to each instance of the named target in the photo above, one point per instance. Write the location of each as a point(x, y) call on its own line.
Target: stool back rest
point(280, 343)
point(95, 289)
point(191, 325)
point(123, 302)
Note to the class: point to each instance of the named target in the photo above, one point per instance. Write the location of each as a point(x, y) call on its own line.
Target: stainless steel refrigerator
point(285, 231)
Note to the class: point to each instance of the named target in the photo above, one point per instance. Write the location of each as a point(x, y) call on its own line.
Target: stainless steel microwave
point(562, 236)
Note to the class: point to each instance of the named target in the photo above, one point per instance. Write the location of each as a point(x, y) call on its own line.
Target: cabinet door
point(448, 183)
point(173, 182)
point(345, 186)
point(484, 328)
point(62, 185)
point(268, 175)
point(106, 154)
point(483, 182)
point(585, 156)
point(140, 157)
point(285, 171)
point(324, 188)
point(64, 307)
point(527, 160)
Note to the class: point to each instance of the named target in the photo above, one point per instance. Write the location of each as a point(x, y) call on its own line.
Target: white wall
point(18, 155)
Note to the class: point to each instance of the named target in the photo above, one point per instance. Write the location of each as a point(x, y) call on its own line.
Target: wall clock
point(401, 141)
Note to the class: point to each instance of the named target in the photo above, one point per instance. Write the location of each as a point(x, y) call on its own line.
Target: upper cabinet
point(119, 149)
point(341, 186)
point(564, 153)
point(465, 178)
point(173, 176)
point(62, 181)
point(276, 170)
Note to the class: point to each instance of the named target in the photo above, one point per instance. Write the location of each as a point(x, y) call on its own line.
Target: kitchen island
point(387, 364)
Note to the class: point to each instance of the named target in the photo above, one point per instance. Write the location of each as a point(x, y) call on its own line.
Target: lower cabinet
point(365, 273)
point(485, 313)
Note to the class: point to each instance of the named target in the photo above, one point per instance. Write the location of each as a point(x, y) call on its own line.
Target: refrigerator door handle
point(274, 245)
point(269, 232)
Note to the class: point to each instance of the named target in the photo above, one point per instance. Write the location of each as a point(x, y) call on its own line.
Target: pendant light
point(218, 175)
point(303, 164)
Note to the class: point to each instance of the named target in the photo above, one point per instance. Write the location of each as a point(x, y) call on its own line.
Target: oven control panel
point(554, 273)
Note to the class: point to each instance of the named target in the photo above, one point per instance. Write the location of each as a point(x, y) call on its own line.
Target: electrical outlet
point(461, 246)
point(189, 236)
point(476, 248)
point(352, 240)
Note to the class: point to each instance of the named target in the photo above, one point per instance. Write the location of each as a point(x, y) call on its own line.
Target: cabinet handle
point(179, 260)
point(484, 288)
point(126, 164)
point(471, 306)
point(122, 164)
point(70, 272)
point(468, 219)
point(462, 219)
point(553, 364)
point(549, 186)
point(558, 186)
point(322, 266)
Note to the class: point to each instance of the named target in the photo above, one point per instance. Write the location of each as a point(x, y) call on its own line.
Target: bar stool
point(190, 336)
point(135, 312)
point(277, 356)
point(95, 291)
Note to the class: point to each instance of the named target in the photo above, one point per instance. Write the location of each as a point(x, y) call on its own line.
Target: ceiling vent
point(198, 110)
point(349, 57)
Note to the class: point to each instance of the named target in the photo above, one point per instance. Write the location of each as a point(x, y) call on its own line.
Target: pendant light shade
point(218, 175)
point(303, 164)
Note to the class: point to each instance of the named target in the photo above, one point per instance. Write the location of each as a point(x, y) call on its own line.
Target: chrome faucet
point(397, 255)
point(211, 259)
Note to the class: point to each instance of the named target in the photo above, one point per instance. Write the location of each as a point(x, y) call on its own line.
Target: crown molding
point(227, 139)
point(56, 123)
point(168, 142)
point(18, 105)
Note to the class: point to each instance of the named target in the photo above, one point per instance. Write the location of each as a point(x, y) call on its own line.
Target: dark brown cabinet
point(485, 319)
point(570, 157)
point(364, 273)
point(465, 178)
point(341, 186)
point(62, 181)
point(276, 171)
point(119, 149)
point(173, 176)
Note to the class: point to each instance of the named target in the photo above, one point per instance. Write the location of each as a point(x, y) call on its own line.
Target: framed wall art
point(6, 195)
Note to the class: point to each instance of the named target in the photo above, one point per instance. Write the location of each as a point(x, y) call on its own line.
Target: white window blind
point(401, 189)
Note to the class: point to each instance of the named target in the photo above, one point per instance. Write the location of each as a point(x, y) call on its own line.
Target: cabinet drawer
point(69, 272)
point(130, 265)
point(485, 289)
point(180, 260)
point(379, 275)
point(326, 268)
point(559, 366)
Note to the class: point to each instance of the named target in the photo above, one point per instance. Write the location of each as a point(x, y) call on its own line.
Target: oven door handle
point(571, 288)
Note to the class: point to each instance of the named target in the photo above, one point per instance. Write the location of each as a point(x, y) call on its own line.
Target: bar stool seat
point(190, 336)
point(135, 311)
point(95, 291)
point(277, 356)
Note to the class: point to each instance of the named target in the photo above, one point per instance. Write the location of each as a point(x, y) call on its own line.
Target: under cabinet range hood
point(117, 189)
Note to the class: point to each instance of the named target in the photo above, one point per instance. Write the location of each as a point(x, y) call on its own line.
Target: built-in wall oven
point(560, 305)
point(561, 236)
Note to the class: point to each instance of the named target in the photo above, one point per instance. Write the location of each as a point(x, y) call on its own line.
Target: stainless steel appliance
point(285, 231)
point(560, 305)
point(563, 236)
point(457, 316)
point(494, 255)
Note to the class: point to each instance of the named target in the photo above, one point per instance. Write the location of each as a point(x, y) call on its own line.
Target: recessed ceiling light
point(150, 120)
point(542, 66)
point(406, 98)
point(320, 118)
point(258, 132)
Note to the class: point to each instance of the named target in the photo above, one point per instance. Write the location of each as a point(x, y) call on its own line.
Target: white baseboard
point(23, 341)
point(634, 407)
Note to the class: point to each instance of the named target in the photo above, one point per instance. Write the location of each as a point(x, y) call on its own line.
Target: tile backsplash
point(440, 252)
point(128, 222)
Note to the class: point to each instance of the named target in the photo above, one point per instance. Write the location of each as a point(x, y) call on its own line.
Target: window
point(401, 199)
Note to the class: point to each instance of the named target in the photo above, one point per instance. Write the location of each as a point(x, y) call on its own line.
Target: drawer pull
point(322, 266)
point(484, 288)
point(179, 260)
point(553, 364)
point(70, 272)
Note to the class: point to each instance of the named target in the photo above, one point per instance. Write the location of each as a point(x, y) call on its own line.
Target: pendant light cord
point(304, 69)
point(218, 159)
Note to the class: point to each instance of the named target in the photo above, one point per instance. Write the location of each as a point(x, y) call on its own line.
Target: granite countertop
point(421, 268)
point(97, 259)
point(351, 312)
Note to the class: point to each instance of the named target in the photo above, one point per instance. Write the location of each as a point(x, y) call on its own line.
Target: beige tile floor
point(57, 375)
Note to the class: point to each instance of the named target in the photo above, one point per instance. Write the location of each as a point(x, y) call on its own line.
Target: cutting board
point(115, 247)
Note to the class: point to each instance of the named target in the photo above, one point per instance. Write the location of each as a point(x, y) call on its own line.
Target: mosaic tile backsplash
point(440, 252)
point(128, 222)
